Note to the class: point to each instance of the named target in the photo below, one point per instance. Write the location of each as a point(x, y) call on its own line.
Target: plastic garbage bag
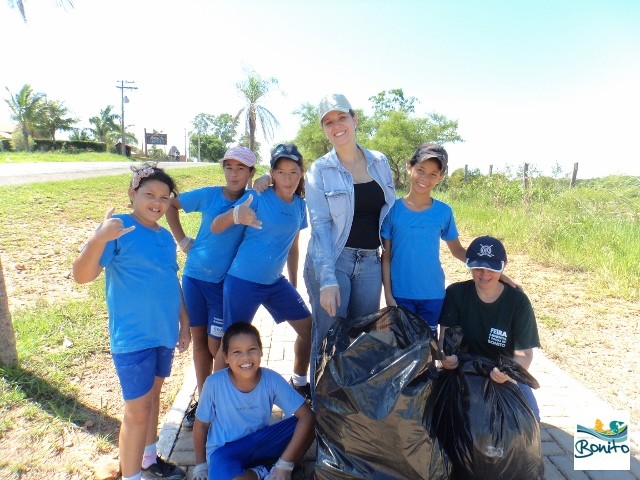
point(487, 429)
point(372, 384)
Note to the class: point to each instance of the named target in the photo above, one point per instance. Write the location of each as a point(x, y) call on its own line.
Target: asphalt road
point(17, 173)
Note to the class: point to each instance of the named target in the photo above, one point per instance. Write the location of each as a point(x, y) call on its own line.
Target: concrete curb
point(173, 420)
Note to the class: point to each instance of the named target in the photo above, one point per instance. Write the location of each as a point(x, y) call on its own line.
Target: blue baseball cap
point(488, 253)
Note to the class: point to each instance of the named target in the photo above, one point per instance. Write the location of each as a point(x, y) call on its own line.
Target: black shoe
point(163, 469)
point(190, 416)
point(304, 390)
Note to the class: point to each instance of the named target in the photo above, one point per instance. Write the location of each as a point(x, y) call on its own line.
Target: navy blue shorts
point(138, 370)
point(204, 304)
point(428, 310)
point(263, 447)
point(242, 299)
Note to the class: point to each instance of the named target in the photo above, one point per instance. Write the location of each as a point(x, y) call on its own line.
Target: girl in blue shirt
point(209, 257)
point(274, 219)
point(147, 317)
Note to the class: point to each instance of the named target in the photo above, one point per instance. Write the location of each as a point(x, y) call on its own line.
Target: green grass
point(592, 229)
point(24, 157)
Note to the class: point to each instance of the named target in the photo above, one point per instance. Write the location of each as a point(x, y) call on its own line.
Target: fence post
point(525, 176)
point(490, 170)
point(574, 175)
point(466, 168)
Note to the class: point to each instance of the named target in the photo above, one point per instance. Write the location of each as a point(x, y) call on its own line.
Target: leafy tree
point(52, 118)
point(392, 100)
point(105, 126)
point(81, 134)
point(158, 154)
point(26, 106)
point(224, 127)
point(311, 140)
point(212, 148)
point(254, 89)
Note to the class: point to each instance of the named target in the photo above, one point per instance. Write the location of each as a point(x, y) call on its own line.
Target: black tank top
point(365, 231)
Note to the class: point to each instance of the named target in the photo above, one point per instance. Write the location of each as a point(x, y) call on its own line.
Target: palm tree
point(106, 126)
point(253, 89)
point(26, 107)
point(52, 119)
point(20, 5)
point(8, 351)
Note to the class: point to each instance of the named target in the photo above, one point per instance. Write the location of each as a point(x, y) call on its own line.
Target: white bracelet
point(236, 220)
point(284, 465)
point(182, 244)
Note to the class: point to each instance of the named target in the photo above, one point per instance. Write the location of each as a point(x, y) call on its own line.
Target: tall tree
point(53, 117)
point(105, 126)
point(224, 127)
point(254, 88)
point(26, 107)
point(8, 350)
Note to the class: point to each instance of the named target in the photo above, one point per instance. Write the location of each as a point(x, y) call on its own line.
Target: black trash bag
point(487, 429)
point(372, 384)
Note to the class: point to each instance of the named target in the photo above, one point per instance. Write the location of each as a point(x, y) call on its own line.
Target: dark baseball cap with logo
point(486, 252)
point(286, 150)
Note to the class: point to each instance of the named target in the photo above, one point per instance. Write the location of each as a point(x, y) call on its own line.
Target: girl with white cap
point(203, 274)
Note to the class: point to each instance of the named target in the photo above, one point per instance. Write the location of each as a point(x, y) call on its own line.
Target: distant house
point(6, 130)
point(127, 149)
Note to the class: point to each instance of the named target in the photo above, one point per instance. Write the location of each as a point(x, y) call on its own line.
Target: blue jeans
point(527, 391)
point(359, 274)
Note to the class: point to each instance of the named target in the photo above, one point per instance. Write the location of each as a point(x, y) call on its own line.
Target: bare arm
point(200, 430)
point(292, 261)
point(173, 219)
point(457, 250)
point(386, 273)
point(302, 435)
point(524, 357)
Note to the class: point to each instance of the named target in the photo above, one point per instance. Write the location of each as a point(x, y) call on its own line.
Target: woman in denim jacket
point(349, 192)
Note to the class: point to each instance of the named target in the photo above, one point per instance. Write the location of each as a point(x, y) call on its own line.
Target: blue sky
point(540, 82)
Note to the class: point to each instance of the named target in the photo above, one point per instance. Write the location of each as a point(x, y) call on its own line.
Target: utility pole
point(124, 100)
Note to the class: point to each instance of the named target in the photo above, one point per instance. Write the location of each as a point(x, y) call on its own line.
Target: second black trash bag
point(488, 429)
point(375, 376)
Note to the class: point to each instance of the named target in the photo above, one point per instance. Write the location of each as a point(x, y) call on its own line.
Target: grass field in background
point(25, 157)
point(591, 230)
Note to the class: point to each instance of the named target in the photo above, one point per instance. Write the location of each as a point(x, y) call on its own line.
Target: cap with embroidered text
point(486, 252)
point(286, 150)
point(335, 101)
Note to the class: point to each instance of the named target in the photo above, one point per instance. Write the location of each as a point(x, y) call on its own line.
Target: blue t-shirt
point(211, 254)
point(143, 292)
point(416, 271)
point(263, 252)
point(234, 414)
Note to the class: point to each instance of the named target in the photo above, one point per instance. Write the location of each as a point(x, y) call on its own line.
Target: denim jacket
point(330, 198)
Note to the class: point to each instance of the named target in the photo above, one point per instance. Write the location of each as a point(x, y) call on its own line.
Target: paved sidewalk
point(559, 396)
